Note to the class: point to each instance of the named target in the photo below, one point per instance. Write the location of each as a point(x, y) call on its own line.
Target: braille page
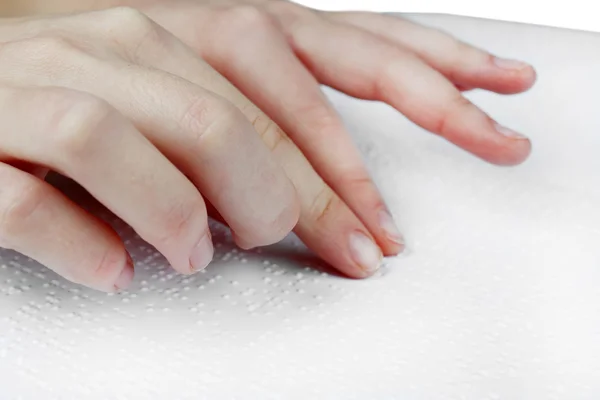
point(496, 298)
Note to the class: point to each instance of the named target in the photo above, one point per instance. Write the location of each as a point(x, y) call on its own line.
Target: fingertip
point(126, 276)
point(391, 241)
point(202, 253)
point(241, 243)
point(391, 249)
point(499, 75)
point(365, 254)
point(515, 76)
point(515, 147)
point(268, 233)
point(530, 75)
point(517, 156)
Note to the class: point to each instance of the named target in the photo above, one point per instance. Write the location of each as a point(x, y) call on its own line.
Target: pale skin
point(169, 111)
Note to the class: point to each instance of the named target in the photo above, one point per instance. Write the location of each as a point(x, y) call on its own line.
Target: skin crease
point(277, 54)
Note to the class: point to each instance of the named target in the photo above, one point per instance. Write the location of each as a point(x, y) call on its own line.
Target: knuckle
point(357, 180)
point(248, 19)
point(77, 121)
point(249, 16)
point(453, 112)
point(284, 221)
point(243, 25)
point(19, 202)
point(286, 8)
point(48, 45)
point(384, 80)
point(322, 204)
point(133, 28)
point(290, 16)
point(129, 18)
point(102, 271)
point(457, 47)
point(321, 117)
point(213, 122)
point(109, 266)
point(460, 55)
point(447, 41)
point(178, 221)
point(356, 175)
point(268, 131)
point(196, 115)
point(40, 49)
point(49, 57)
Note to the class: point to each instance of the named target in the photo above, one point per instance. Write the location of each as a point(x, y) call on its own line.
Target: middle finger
point(255, 56)
point(326, 224)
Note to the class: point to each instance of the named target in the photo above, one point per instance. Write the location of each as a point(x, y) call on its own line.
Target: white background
point(572, 14)
point(497, 298)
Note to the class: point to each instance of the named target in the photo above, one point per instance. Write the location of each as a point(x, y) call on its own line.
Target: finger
point(38, 221)
point(213, 143)
point(82, 137)
point(198, 131)
point(370, 68)
point(262, 65)
point(326, 224)
point(461, 63)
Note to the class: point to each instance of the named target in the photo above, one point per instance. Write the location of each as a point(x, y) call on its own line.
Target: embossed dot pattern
point(496, 298)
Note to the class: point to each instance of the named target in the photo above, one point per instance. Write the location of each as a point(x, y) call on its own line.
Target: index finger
point(326, 225)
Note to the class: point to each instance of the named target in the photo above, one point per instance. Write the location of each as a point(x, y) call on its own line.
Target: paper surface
point(497, 297)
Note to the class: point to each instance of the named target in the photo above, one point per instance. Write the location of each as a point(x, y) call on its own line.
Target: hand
point(277, 53)
point(119, 105)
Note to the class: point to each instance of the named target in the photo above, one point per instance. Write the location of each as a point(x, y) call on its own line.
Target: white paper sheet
point(497, 297)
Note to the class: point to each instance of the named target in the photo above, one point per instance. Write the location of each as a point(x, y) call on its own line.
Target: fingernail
point(202, 253)
point(126, 276)
point(509, 132)
point(365, 252)
point(386, 221)
point(242, 244)
point(510, 64)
